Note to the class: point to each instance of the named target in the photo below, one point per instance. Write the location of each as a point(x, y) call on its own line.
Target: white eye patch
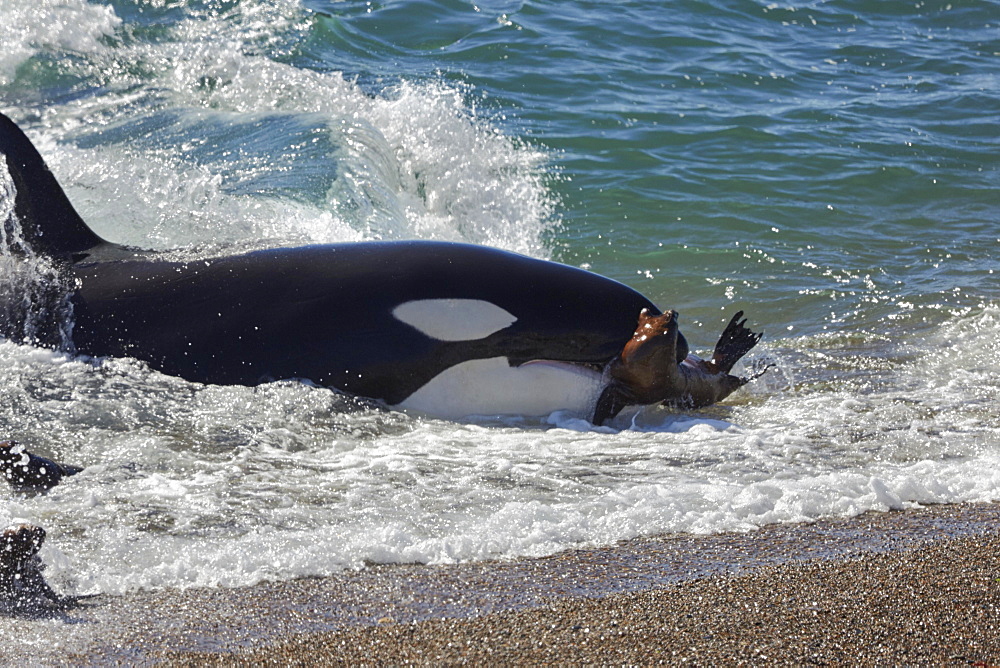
point(454, 319)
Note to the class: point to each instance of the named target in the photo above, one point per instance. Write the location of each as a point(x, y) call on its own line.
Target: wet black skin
point(27, 472)
point(324, 313)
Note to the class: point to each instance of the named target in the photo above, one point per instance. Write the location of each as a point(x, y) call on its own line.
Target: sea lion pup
point(31, 473)
point(656, 366)
point(21, 581)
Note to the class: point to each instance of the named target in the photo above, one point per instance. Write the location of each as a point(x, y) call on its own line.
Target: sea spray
point(247, 146)
point(834, 176)
point(35, 305)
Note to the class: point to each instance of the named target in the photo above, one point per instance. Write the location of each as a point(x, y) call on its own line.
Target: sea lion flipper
point(612, 400)
point(736, 341)
point(757, 369)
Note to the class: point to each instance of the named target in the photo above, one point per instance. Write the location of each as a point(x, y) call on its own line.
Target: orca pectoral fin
point(736, 341)
point(612, 400)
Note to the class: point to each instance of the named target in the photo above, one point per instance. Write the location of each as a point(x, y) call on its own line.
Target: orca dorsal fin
point(49, 223)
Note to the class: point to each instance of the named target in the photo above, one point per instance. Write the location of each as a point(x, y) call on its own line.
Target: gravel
point(915, 587)
point(937, 605)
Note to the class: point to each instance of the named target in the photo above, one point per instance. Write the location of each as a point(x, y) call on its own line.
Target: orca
point(449, 329)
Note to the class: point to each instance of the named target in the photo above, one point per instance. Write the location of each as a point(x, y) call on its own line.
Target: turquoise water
point(831, 168)
point(809, 146)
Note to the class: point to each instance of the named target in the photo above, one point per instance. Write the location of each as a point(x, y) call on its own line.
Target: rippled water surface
point(829, 167)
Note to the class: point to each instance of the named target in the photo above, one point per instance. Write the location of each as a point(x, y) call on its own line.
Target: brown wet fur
point(644, 363)
point(652, 369)
point(646, 371)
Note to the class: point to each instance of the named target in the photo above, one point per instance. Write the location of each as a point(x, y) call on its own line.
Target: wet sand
point(916, 587)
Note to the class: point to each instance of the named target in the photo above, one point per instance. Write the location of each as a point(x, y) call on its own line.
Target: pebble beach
point(829, 169)
point(914, 587)
point(937, 605)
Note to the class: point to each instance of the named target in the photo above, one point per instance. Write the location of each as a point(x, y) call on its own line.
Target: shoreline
point(781, 590)
point(938, 604)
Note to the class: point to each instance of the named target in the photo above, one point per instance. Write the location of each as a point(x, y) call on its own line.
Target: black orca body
point(331, 314)
point(451, 329)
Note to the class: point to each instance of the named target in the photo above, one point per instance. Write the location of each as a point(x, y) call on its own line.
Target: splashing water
point(842, 193)
point(35, 303)
point(247, 146)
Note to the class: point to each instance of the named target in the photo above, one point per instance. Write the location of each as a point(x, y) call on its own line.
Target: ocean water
point(830, 167)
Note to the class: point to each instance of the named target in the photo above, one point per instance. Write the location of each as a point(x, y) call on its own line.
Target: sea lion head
point(648, 362)
point(19, 543)
point(650, 327)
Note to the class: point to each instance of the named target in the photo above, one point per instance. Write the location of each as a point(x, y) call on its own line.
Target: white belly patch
point(454, 319)
point(493, 387)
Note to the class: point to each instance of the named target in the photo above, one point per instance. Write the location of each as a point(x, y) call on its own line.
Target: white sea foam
point(197, 485)
point(192, 485)
point(412, 161)
point(73, 27)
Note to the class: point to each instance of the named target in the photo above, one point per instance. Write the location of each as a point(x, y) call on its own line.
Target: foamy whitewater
point(714, 178)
